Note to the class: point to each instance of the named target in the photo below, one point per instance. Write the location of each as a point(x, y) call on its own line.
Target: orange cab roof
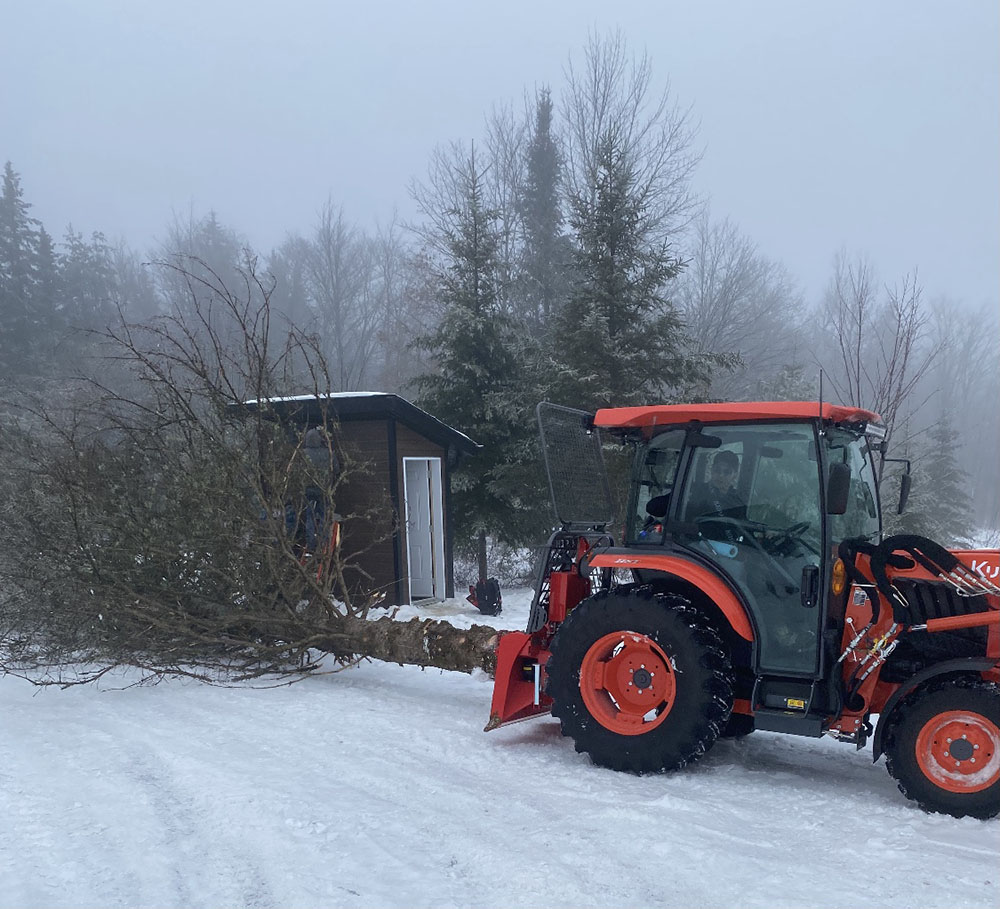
point(666, 414)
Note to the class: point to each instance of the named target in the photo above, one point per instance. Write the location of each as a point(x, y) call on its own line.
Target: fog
point(871, 127)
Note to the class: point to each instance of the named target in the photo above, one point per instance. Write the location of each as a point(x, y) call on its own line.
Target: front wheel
point(943, 748)
point(639, 681)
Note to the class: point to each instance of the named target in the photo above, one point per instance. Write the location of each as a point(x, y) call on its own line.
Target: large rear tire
point(943, 748)
point(640, 681)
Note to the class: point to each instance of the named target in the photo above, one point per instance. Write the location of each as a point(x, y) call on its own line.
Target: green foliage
point(480, 383)
point(546, 255)
point(20, 320)
point(87, 282)
point(620, 341)
point(939, 505)
point(52, 298)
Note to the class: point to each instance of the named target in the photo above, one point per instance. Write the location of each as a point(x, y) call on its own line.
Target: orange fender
point(709, 583)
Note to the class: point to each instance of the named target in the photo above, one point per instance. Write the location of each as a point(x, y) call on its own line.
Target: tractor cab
point(749, 587)
point(764, 504)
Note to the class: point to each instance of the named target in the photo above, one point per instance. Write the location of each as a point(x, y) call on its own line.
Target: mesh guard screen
point(578, 479)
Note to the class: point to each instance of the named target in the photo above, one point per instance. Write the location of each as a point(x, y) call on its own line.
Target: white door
point(424, 526)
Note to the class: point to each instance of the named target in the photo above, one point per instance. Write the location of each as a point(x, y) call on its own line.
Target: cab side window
point(657, 475)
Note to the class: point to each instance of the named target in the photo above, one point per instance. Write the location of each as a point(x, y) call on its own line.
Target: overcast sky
point(868, 125)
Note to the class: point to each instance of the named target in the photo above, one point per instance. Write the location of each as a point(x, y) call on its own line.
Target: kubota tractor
point(752, 589)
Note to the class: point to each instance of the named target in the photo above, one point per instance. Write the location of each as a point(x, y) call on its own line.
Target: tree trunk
point(418, 642)
point(482, 555)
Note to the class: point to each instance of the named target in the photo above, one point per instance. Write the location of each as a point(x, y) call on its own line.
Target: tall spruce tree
point(88, 281)
point(546, 251)
point(621, 340)
point(20, 327)
point(476, 385)
point(939, 506)
point(208, 252)
point(47, 273)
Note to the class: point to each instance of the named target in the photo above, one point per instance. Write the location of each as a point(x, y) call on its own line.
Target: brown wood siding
point(364, 501)
point(413, 445)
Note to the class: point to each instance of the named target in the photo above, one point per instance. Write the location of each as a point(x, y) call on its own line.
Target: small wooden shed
point(402, 538)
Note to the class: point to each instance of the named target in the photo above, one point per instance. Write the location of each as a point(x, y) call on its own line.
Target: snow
point(328, 395)
point(376, 786)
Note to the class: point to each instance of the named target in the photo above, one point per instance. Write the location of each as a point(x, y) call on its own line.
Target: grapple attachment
point(519, 689)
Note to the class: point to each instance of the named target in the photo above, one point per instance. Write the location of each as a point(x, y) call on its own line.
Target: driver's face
point(722, 476)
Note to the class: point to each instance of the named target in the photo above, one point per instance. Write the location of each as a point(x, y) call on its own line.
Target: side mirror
point(838, 489)
point(905, 482)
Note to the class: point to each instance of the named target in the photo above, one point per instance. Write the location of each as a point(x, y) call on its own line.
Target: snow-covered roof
point(329, 395)
point(363, 405)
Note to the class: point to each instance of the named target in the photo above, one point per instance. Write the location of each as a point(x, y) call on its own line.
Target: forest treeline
point(560, 255)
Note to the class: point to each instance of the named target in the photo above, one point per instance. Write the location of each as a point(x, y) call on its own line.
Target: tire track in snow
point(171, 783)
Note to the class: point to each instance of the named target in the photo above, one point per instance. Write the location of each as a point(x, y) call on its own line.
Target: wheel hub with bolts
point(960, 751)
point(641, 677)
point(627, 682)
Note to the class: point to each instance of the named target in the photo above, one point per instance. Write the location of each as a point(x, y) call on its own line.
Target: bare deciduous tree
point(405, 304)
point(505, 138)
point(734, 299)
point(965, 383)
point(341, 266)
point(611, 98)
point(884, 344)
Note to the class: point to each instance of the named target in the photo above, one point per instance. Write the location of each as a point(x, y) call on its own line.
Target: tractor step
point(783, 705)
point(791, 723)
point(783, 694)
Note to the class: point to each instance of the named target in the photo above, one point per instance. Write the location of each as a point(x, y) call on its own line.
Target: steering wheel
point(793, 532)
point(747, 528)
point(791, 535)
point(796, 529)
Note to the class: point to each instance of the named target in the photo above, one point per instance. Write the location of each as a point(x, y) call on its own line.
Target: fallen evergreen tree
point(146, 526)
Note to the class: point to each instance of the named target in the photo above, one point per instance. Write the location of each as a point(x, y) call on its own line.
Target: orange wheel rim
point(959, 750)
point(627, 683)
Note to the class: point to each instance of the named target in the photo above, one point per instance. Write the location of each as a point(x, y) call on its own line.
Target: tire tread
point(673, 744)
point(984, 804)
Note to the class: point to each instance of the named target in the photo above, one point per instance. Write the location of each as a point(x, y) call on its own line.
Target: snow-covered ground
point(376, 786)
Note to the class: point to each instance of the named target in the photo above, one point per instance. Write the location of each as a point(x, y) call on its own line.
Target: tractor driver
point(718, 497)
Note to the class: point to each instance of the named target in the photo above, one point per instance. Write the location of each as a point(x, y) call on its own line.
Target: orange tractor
point(752, 590)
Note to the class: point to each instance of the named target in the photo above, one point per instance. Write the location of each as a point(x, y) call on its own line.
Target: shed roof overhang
point(352, 406)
